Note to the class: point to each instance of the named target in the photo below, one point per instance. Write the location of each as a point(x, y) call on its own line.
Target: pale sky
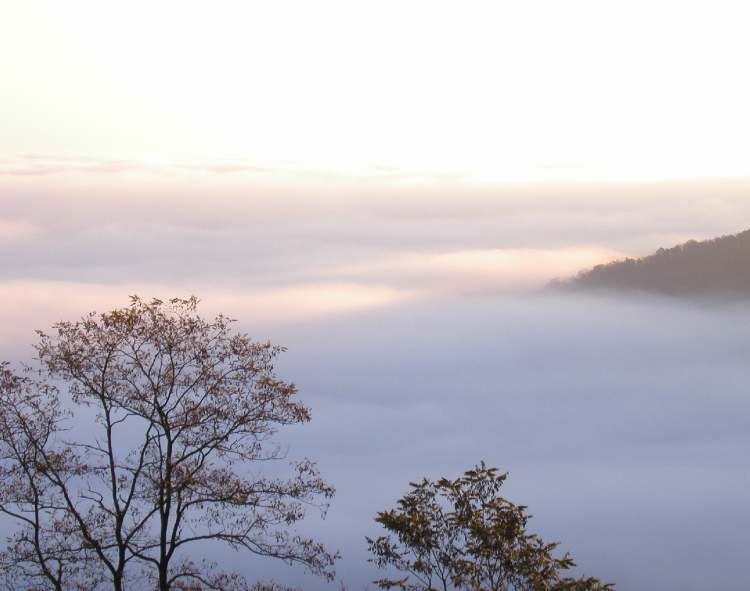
point(333, 155)
point(499, 91)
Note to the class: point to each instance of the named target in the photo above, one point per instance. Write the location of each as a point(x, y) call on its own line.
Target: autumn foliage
point(461, 534)
point(136, 436)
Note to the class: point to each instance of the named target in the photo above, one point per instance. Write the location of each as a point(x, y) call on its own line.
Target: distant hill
point(717, 267)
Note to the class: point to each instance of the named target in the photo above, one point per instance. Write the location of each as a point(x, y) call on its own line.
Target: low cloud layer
point(623, 423)
point(415, 335)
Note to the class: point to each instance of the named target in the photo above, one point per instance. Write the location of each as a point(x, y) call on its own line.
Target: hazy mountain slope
point(720, 266)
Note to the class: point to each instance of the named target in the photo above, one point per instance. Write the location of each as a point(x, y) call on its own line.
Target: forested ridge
point(719, 266)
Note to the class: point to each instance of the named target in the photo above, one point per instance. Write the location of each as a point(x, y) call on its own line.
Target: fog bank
point(623, 425)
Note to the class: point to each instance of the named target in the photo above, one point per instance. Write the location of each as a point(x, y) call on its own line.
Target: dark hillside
point(720, 266)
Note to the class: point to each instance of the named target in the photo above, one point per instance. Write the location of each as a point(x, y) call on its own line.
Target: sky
point(386, 188)
point(503, 91)
point(377, 151)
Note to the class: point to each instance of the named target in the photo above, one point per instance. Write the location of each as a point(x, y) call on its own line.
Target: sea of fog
point(623, 424)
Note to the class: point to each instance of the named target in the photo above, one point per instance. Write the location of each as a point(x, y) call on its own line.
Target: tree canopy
point(138, 435)
point(461, 534)
point(717, 267)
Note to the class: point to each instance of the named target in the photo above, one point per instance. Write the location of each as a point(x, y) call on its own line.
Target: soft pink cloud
point(31, 305)
point(17, 229)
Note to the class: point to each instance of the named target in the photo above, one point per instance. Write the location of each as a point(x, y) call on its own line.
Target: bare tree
point(179, 413)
